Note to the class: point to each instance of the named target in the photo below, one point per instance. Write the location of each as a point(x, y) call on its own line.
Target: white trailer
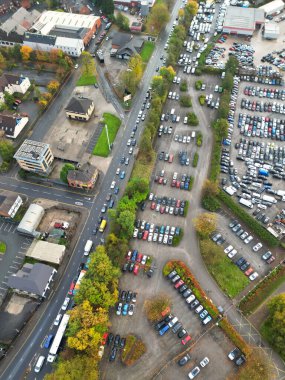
point(88, 247)
point(245, 202)
point(269, 198)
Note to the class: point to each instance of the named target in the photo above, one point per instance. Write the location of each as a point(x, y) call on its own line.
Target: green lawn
point(86, 80)
point(2, 248)
point(113, 123)
point(147, 51)
point(228, 276)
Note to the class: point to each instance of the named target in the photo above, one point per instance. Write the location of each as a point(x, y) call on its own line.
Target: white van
point(172, 111)
point(39, 364)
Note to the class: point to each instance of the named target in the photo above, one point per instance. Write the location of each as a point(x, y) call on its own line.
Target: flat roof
point(272, 6)
point(243, 18)
point(46, 251)
point(31, 150)
point(271, 27)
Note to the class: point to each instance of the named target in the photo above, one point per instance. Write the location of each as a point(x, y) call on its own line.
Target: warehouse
point(31, 220)
point(273, 8)
point(46, 252)
point(271, 31)
point(242, 21)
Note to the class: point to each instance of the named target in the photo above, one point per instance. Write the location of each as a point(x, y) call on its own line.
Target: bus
point(78, 282)
point(103, 225)
point(57, 339)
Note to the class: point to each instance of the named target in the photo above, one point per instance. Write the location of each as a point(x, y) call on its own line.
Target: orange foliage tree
point(26, 51)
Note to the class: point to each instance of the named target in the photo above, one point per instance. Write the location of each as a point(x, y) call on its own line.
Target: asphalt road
point(14, 366)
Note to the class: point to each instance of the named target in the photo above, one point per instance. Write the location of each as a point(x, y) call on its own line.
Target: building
point(31, 220)
point(136, 27)
point(273, 8)
point(34, 156)
point(133, 3)
point(242, 21)
point(60, 30)
point(12, 124)
point(83, 178)
point(124, 45)
point(9, 204)
point(13, 84)
point(46, 252)
point(79, 109)
point(32, 280)
point(271, 31)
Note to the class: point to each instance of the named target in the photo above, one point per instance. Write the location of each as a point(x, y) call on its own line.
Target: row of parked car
point(215, 55)
point(189, 297)
point(261, 126)
point(262, 106)
point(243, 53)
point(265, 92)
point(275, 61)
point(175, 207)
point(118, 344)
point(232, 105)
point(160, 234)
point(171, 322)
point(263, 74)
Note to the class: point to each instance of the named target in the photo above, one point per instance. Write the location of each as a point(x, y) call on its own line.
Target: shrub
point(191, 183)
point(195, 160)
point(177, 239)
point(210, 203)
point(199, 139)
point(192, 119)
point(183, 86)
point(198, 84)
point(185, 101)
point(202, 99)
point(155, 306)
point(186, 208)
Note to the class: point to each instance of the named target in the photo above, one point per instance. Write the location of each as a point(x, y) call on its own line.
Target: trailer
point(87, 248)
point(246, 202)
point(269, 198)
point(57, 339)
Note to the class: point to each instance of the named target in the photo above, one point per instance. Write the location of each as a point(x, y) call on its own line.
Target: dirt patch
point(16, 304)
point(54, 215)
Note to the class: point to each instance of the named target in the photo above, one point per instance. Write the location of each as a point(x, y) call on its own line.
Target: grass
point(2, 247)
point(147, 51)
point(228, 276)
point(113, 123)
point(86, 80)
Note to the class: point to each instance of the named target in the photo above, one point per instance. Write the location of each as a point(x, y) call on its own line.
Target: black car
point(122, 160)
point(143, 206)
point(117, 340)
point(176, 327)
point(129, 296)
point(110, 338)
point(131, 267)
point(159, 325)
point(240, 360)
point(122, 342)
point(149, 273)
point(245, 266)
point(240, 261)
point(125, 267)
point(123, 295)
point(182, 288)
point(184, 360)
point(171, 274)
point(186, 293)
point(194, 304)
point(181, 333)
point(113, 354)
point(168, 318)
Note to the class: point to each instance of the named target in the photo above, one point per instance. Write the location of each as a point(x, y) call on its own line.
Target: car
point(195, 371)
point(118, 171)
point(113, 354)
point(113, 184)
point(204, 362)
point(110, 338)
point(257, 247)
point(232, 253)
point(207, 320)
point(270, 260)
point(136, 269)
point(131, 309)
point(186, 339)
point(119, 309)
point(144, 259)
point(190, 299)
point(175, 278)
point(204, 314)
point(171, 274)
point(240, 360)
point(248, 239)
point(199, 309)
point(123, 295)
point(184, 360)
point(253, 276)
point(181, 333)
point(125, 309)
point(182, 288)
point(163, 330)
point(234, 354)
point(244, 266)
point(65, 303)
point(48, 340)
point(228, 249)
point(122, 175)
point(266, 255)
point(76, 66)
point(249, 271)
point(177, 327)
point(216, 237)
point(178, 284)
point(194, 304)
point(57, 319)
point(186, 293)
point(116, 190)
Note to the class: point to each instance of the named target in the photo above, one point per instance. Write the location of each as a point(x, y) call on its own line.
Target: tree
point(192, 119)
point(116, 249)
point(155, 306)
point(273, 328)
point(158, 86)
point(64, 171)
point(221, 126)
point(158, 18)
point(137, 188)
point(16, 52)
point(210, 188)
point(55, 55)
point(2, 61)
point(106, 6)
point(33, 56)
point(190, 10)
point(205, 224)
point(122, 22)
point(185, 101)
point(26, 51)
point(136, 65)
point(167, 73)
point(145, 142)
point(7, 150)
point(228, 81)
point(126, 221)
point(53, 86)
point(47, 96)
point(9, 99)
point(88, 64)
point(128, 81)
point(43, 104)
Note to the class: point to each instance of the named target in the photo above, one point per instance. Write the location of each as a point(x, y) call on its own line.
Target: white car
point(151, 195)
point(165, 239)
point(195, 371)
point(253, 276)
point(190, 298)
point(135, 234)
point(228, 249)
point(204, 362)
point(131, 150)
point(257, 247)
point(113, 184)
point(150, 236)
point(199, 309)
point(185, 120)
point(57, 319)
point(248, 239)
point(118, 171)
point(143, 262)
point(175, 175)
point(76, 66)
point(65, 303)
point(232, 253)
point(155, 237)
point(129, 142)
point(119, 309)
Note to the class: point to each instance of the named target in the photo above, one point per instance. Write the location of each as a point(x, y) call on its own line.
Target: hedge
point(253, 224)
point(192, 119)
point(199, 139)
point(210, 203)
point(186, 208)
point(215, 159)
point(177, 238)
point(195, 160)
point(202, 99)
point(191, 183)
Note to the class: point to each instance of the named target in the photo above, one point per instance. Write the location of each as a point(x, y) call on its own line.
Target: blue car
point(116, 190)
point(125, 309)
point(163, 330)
point(48, 341)
point(122, 175)
point(134, 255)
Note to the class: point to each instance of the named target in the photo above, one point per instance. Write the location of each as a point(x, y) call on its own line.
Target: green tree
point(64, 171)
point(158, 86)
point(185, 101)
point(16, 53)
point(145, 142)
point(221, 126)
point(137, 188)
point(9, 99)
point(158, 18)
point(107, 6)
point(88, 64)
point(122, 22)
point(126, 221)
point(192, 119)
point(155, 306)
point(167, 73)
point(116, 249)
point(7, 150)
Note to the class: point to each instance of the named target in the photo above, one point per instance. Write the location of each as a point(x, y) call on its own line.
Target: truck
point(88, 247)
point(245, 202)
point(263, 171)
point(269, 198)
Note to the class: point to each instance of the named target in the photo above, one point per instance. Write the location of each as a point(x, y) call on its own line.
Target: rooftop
point(269, 7)
point(243, 18)
point(20, 21)
point(46, 251)
point(79, 105)
point(83, 174)
point(31, 150)
point(70, 32)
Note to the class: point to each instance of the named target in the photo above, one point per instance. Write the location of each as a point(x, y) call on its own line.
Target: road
point(16, 363)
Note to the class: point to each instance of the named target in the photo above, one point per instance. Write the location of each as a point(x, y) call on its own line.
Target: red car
point(104, 338)
point(160, 181)
point(249, 271)
point(72, 285)
point(57, 225)
point(270, 260)
point(139, 257)
point(153, 206)
point(136, 269)
point(173, 183)
point(178, 284)
point(145, 235)
point(186, 339)
point(178, 184)
point(178, 203)
point(162, 209)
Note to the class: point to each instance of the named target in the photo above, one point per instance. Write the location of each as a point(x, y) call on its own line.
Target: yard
point(147, 51)
point(86, 80)
point(113, 124)
point(228, 276)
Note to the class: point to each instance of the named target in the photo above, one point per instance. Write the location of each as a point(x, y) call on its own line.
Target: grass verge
point(147, 51)
point(86, 80)
point(113, 124)
point(228, 276)
point(3, 247)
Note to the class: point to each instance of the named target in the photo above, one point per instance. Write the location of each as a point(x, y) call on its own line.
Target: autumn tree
point(53, 86)
point(136, 65)
point(42, 103)
point(158, 18)
point(2, 61)
point(88, 64)
point(205, 224)
point(158, 85)
point(210, 188)
point(155, 306)
point(26, 51)
point(116, 249)
point(167, 73)
point(55, 55)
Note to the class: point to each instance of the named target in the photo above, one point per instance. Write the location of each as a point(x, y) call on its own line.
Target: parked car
point(195, 371)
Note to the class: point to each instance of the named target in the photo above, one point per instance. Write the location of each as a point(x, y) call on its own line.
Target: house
point(9, 204)
point(31, 220)
point(79, 108)
point(12, 124)
point(83, 178)
point(125, 45)
point(20, 21)
point(32, 280)
point(132, 3)
point(34, 156)
point(136, 27)
point(13, 84)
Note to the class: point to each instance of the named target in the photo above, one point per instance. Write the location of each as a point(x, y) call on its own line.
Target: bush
point(185, 101)
point(192, 119)
point(243, 215)
point(191, 183)
point(186, 208)
point(210, 203)
point(195, 160)
point(199, 139)
point(198, 84)
point(183, 86)
point(177, 239)
point(155, 307)
point(202, 99)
